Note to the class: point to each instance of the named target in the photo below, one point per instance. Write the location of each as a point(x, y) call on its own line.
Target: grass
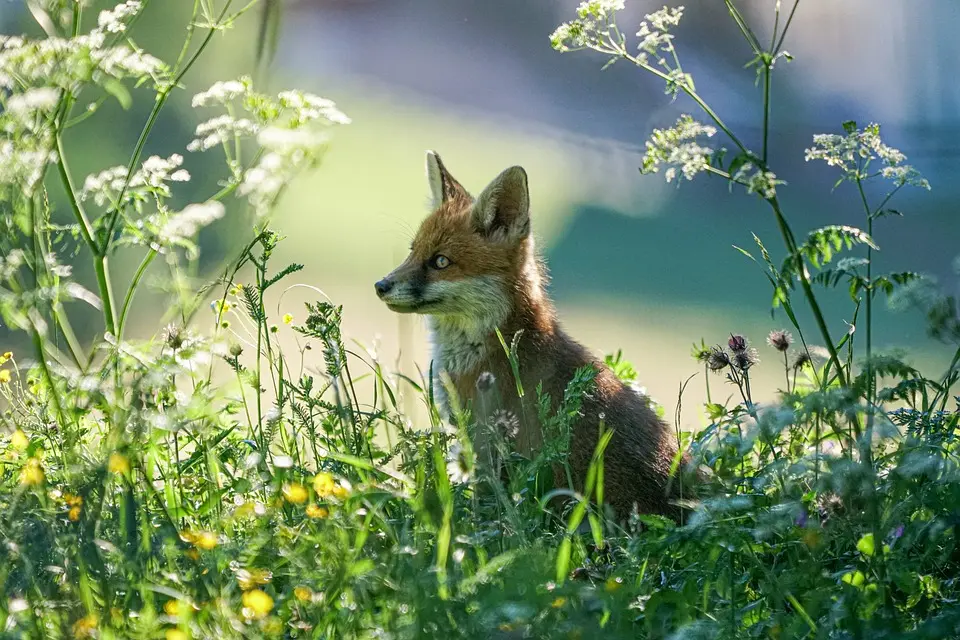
point(216, 480)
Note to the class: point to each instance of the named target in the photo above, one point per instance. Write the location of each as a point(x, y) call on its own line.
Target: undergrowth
point(209, 483)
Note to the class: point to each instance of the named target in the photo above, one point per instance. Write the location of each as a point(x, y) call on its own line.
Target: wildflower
point(459, 465)
point(175, 634)
point(112, 21)
point(118, 464)
point(677, 148)
point(746, 359)
point(315, 511)
point(780, 340)
point(558, 602)
point(73, 514)
point(204, 540)
point(303, 594)
point(287, 318)
point(718, 359)
point(236, 349)
point(4, 376)
point(802, 360)
point(737, 343)
point(223, 92)
point(250, 578)
point(756, 180)
point(32, 474)
point(19, 440)
point(75, 504)
point(341, 490)
point(323, 484)
point(85, 627)
point(171, 607)
point(852, 154)
point(613, 584)
point(506, 423)
point(173, 336)
point(256, 604)
point(295, 493)
point(184, 225)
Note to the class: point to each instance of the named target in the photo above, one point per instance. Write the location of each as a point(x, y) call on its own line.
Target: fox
point(474, 269)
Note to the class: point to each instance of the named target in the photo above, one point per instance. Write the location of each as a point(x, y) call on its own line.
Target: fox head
point(469, 254)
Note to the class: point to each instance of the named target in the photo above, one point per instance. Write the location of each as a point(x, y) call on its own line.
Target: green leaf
point(850, 126)
point(866, 545)
point(854, 579)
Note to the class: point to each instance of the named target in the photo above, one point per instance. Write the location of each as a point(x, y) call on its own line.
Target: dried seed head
point(485, 382)
point(780, 340)
point(718, 359)
point(802, 360)
point(173, 336)
point(506, 423)
point(746, 359)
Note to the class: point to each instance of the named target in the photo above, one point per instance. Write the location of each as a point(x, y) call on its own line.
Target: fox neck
point(462, 344)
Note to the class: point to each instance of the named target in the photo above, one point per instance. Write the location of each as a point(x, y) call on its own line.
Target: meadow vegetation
point(140, 497)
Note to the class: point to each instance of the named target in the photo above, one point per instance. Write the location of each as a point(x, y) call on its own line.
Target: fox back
point(473, 269)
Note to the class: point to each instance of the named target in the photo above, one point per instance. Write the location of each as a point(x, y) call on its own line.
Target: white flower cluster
point(289, 151)
point(854, 152)
point(657, 40)
point(113, 21)
point(181, 227)
point(216, 131)
point(67, 62)
point(153, 177)
point(287, 127)
point(594, 20)
point(678, 148)
point(756, 180)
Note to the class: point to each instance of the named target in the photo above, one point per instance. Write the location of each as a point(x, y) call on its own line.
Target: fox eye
point(439, 262)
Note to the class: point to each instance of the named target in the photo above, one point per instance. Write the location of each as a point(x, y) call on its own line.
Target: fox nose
point(383, 287)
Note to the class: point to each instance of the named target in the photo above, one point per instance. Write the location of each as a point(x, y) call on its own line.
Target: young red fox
point(472, 269)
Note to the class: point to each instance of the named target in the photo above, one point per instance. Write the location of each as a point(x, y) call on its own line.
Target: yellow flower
point(205, 540)
point(287, 318)
point(172, 607)
point(559, 602)
point(250, 578)
point(303, 594)
point(7, 355)
point(118, 464)
point(256, 604)
point(74, 514)
point(193, 554)
point(4, 376)
point(32, 473)
point(72, 500)
point(315, 511)
point(323, 484)
point(295, 493)
point(613, 584)
point(340, 492)
point(19, 440)
point(85, 626)
point(175, 634)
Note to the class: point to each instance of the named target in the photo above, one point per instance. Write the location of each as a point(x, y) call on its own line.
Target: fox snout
point(383, 286)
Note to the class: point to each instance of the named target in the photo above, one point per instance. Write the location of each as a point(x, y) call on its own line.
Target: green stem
point(132, 290)
point(811, 297)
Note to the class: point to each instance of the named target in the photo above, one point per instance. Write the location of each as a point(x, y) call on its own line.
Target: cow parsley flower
point(854, 152)
point(113, 21)
point(677, 147)
point(152, 178)
point(184, 225)
point(756, 180)
point(223, 92)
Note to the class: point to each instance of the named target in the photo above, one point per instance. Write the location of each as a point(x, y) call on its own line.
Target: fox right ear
point(443, 186)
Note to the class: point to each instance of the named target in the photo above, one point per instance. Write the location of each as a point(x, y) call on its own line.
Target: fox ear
point(502, 210)
point(443, 186)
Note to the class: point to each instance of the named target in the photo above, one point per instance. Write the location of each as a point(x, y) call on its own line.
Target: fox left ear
point(502, 210)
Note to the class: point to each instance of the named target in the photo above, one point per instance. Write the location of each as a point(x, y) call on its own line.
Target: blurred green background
point(636, 263)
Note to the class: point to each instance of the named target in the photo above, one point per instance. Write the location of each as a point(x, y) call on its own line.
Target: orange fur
point(473, 268)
